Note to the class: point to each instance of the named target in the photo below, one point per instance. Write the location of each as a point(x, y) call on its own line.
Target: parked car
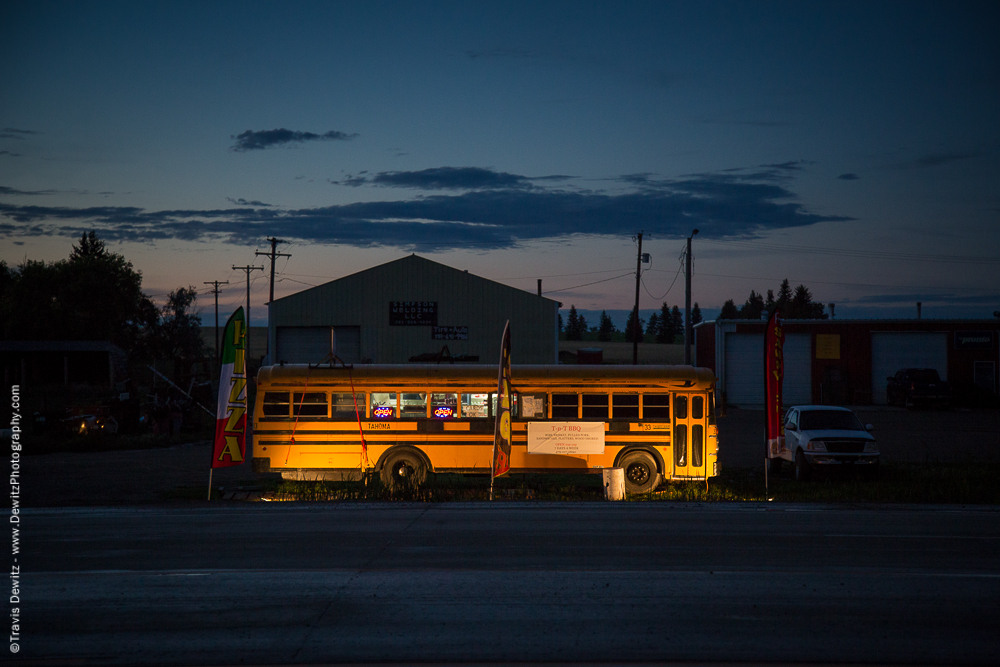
point(910, 387)
point(824, 436)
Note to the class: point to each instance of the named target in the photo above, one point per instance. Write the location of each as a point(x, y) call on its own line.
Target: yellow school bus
point(406, 421)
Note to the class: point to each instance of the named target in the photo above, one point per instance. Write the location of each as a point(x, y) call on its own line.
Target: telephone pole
point(636, 329)
point(215, 290)
point(688, 329)
point(248, 269)
point(272, 255)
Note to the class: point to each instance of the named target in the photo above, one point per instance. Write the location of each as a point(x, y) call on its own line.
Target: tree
point(653, 326)
point(179, 336)
point(804, 308)
point(633, 332)
point(729, 311)
point(576, 325)
point(678, 322)
point(606, 328)
point(769, 302)
point(665, 331)
point(784, 297)
point(695, 314)
point(753, 308)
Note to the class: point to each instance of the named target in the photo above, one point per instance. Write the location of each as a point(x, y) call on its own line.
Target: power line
point(566, 289)
point(861, 254)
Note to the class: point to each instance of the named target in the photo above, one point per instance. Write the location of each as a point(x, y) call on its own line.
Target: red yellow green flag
point(231, 411)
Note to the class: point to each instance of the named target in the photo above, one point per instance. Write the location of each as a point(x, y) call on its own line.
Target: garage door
point(893, 351)
point(311, 345)
point(744, 366)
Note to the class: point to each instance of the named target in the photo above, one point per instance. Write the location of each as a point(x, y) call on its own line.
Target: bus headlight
point(816, 446)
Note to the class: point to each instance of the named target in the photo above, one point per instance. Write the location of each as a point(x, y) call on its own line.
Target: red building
point(846, 362)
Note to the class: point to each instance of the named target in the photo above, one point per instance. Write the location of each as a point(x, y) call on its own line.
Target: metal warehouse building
point(409, 310)
point(846, 362)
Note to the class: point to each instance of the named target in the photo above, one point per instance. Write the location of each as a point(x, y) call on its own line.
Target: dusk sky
point(850, 147)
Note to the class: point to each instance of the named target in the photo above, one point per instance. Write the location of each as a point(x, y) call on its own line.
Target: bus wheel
point(640, 472)
point(403, 469)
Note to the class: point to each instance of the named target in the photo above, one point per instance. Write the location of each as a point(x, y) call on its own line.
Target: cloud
point(925, 299)
point(244, 202)
point(448, 178)
point(14, 191)
point(848, 177)
point(250, 140)
point(14, 133)
point(719, 205)
point(938, 159)
point(9, 154)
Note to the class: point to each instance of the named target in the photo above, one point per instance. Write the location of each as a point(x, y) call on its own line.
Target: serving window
point(383, 405)
point(476, 406)
point(342, 405)
point(444, 406)
point(413, 406)
point(309, 404)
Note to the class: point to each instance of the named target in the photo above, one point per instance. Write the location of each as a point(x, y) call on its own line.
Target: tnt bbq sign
point(413, 313)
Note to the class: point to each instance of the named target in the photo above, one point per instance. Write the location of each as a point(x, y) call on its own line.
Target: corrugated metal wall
point(363, 300)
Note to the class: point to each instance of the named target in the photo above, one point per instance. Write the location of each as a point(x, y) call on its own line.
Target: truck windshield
point(817, 420)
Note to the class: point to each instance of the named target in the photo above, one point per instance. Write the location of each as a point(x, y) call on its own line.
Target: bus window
point(532, 406)
point(413, 406)
point(343, 405)
point(309, 404)
point(444, 406)
point(656, 406)
point(625, 406)
point(383, 405)
point(697, 444)
point(565, 406)
point(475, 406)
point(595, 406)
point(493, 402)
point(680, 444)
point(276, 404)
point(697, 407)
point(681, 407)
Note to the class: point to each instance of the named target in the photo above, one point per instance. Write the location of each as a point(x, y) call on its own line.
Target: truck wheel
point(403, 469)
point(801, 467)
point(640, 472)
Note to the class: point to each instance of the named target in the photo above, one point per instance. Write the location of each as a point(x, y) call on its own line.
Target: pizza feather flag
point(231, 411)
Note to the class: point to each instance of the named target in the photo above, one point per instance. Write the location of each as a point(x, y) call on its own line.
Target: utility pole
point(635, 312)
point(248, 269)
point(272, 255)
point(215, 290)
point(688, 329)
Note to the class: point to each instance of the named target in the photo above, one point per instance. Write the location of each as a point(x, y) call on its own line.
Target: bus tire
point(403, 469)
point(641, 475)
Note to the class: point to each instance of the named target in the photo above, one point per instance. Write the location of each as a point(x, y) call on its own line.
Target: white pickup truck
point(824, 436)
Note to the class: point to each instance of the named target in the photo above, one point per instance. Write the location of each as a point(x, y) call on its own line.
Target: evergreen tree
point(769, 303)
point(695, 314)
point(753, 308)
point(784, 298)
point(573, 328)
point(606, 328)
point(665, 330)
point(678, 323)
point(633, 332)
point(653, 327)
point(804, 308)
point(729, 311)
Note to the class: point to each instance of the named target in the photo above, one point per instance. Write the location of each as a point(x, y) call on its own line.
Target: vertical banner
point(501, 429)
point(774, 375)
point(231, 410)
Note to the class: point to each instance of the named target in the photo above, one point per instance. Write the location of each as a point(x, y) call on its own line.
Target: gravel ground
point(180, 474)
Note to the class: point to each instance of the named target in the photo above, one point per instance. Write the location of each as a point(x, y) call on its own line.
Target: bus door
point(690, 432)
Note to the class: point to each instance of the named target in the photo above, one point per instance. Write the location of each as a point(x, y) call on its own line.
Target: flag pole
point(210, 483)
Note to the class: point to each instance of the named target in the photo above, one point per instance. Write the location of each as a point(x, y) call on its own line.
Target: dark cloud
point(14, 191)
point(10, 154)
point(938, 159)
point(849, 177)
point(447, 178)
point(250, 140)
point(719, 205)
point(14, 133)
point(244, 202)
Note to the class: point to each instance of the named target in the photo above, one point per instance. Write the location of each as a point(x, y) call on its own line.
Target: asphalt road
point(514, 582)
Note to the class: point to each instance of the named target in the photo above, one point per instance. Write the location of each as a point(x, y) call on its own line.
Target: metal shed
point(412, 309)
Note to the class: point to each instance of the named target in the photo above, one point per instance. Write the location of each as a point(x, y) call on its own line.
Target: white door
point(892, 351)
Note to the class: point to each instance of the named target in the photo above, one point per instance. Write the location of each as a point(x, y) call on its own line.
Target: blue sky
point(851, 147)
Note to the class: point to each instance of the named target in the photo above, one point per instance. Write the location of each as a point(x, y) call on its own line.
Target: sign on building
point(413, 313)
